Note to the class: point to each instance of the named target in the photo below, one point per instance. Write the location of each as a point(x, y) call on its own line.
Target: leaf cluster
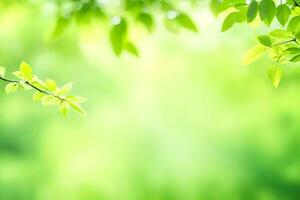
point(123, 18)
point(47, 92)
point(282, 43)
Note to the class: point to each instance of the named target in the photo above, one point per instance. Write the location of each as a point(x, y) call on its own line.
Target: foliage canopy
point(282, 17)
point(281, 43)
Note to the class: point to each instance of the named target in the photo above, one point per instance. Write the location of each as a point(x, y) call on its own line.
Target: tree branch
point(33, 87)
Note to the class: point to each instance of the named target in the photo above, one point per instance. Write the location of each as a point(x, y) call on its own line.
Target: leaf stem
point(32, 86)
point(285, 42)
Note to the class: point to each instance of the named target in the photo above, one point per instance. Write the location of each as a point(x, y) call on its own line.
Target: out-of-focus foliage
point(183, 122)
point(123, 17)
point(281, 43)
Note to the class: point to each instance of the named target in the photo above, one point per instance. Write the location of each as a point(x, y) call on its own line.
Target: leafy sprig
point(47, 92)
point(282, 44)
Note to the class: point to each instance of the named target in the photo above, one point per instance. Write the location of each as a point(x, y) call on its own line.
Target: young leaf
point(51, 84)
point(64, 107)
point(253, 54)
point(11, 87)
point(37, 96)
point(280, 34)
point(77, 107)
point(132, 49)
point(2, 71)
point(252, 11)
point(18, 74)
point(25, 70)
point(267, 10)
point(275, 74)
point(265, 40)
point(76, 99)
point(186, 22)
point(64, 89)
point(283, 14)
point(229, 21)
point(49, 100)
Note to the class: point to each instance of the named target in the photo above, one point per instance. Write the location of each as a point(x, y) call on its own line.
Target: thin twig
point(32, 86)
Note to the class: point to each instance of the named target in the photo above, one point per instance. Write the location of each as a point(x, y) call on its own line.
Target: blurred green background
point(185, 121)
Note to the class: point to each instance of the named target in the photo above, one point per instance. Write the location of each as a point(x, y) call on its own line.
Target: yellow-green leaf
point(64, 89)
point(2, 71)
point(26, 70)
point(64, 107)
point(49, 100)
point(275, 74)
point(253, 54)
point(11, 87)
point(76, 99)
point(37, 96)
point(51, 84)
point(78, 108)
point(19, 75)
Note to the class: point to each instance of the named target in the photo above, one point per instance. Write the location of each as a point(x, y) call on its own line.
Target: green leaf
point(26, 70)
point(64, 89)
point(49, 100)
point(275, 74)
point(265, 40)
point(147, 20)
point(2, 71)
point(280, 34)
point(37, 96)
point(241, 15)
point(186, 22)
point(296, 58)
point(38, 83)
point(252, 11)
point(77, 108)
point(283, 14)
point(132, 49)
point(229, 21)
point(11, 87)
point(267, 10)
point(18, 74)
point(118, 34)
point(253, 54)
point(294, 25)
point(76, 99)
point(51, 85)
point(276, 53)
point(61, 24)
point(293, 50)
point(64, 107)
point(23, 85)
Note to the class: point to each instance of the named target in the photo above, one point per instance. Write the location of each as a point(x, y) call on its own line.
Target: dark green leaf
point(265, 40)
point(283, 14)
point(296, 58)
point(118, 35)
point(252, 11)
point(267, 10)
point(229, 21)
